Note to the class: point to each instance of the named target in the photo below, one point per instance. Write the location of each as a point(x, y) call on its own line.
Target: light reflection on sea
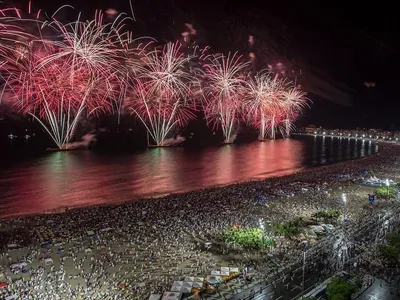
point(78, 178)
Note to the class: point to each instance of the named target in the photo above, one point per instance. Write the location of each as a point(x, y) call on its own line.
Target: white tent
point(224, 273)
point(198, 279)
point(187, 284)
point(177, 286)
point(155, 297)
point(189, 279)
point(216, 273)
point(234, 270)
point(186, 289)
point(197, 284)
point(224, 269)
point(212, 279)
point(171, 296)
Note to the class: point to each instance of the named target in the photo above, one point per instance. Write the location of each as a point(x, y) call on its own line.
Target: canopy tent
point(155, 297)
point(183, 286)
point(224, 271)
point(213, 279)
point(186, 289)
point(171, 296)
point(198, 282)
point(215, 273)
point(198, 285)
point(234, 270)
point(177, 286)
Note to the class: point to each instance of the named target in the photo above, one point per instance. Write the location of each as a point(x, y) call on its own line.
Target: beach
point(133, 249)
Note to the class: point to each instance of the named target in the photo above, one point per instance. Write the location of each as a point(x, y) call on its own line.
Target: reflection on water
point(64, 179)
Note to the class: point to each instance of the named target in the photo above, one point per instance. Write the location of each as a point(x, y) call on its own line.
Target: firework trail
point(163, 91)
point(60, 73)
point(272, 103)
point(49, 95)
point(294, 102)
point(263, 104)
point(224, 82)
point(59, 81)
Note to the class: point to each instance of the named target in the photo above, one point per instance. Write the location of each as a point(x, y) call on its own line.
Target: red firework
point(162, 95)
point(223, 86)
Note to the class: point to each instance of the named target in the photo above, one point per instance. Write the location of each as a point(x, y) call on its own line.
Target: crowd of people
point(130, 250)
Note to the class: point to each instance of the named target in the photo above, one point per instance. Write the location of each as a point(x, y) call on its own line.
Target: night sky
point(337, 48)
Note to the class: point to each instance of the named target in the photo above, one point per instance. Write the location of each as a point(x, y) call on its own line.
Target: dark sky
point(337, 46)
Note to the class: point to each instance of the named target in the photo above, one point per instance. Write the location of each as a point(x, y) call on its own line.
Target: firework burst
point(59, 81)
point(294, 101)
point(60, 73)
point(224, 82)
point(272, 104)
point(263, 103)
point(163, 92)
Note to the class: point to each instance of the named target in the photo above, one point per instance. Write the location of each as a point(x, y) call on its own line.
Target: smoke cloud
point(174, 141)
point(85, 141)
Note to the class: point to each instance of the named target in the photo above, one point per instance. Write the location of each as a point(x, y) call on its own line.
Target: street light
point(387, 187)
point(344, 198)
point(305, 250)
point(261, 224)
point(262, 227)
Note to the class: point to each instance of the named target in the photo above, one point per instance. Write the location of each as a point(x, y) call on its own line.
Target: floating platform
point(161, 146)
point(58, 149)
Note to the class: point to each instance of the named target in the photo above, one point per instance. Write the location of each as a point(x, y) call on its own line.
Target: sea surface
point(56, 180)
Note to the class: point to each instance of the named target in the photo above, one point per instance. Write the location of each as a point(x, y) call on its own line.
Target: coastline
point(383, 146)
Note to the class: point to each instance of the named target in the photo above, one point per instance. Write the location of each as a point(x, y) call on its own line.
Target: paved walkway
point(381, 290)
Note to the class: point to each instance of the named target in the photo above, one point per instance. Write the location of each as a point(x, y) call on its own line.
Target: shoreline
point(286, 177)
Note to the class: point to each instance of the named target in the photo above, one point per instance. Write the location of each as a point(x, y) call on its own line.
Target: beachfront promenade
point(357, 134)
point(131, 250)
